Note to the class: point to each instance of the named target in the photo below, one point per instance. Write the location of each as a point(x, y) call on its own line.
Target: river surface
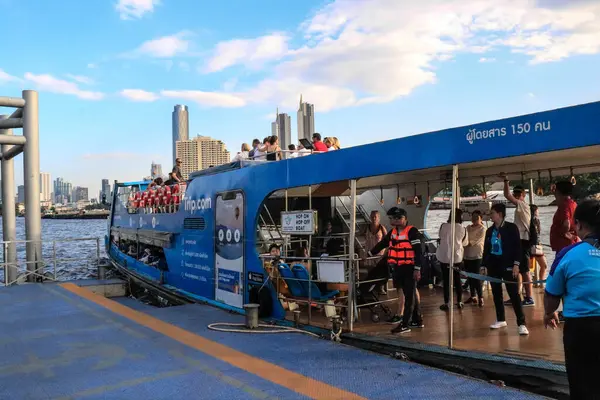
point(58, 236)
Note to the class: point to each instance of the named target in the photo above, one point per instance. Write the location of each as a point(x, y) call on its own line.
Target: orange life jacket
point(400, 251)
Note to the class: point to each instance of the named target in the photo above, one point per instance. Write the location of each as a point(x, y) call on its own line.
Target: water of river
point(63, 231)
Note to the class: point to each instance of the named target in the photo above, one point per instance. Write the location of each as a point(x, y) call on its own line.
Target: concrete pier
point(62, 341)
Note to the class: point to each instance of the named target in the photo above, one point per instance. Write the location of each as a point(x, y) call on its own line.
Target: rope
point(270, 329)
point(492, 279)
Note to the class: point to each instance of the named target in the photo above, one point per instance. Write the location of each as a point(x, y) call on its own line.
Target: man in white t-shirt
point(522, 220)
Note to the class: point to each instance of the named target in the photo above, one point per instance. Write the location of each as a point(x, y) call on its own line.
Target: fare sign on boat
point(299, 222)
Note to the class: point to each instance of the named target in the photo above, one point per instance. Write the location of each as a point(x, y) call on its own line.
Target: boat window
point(148, 254)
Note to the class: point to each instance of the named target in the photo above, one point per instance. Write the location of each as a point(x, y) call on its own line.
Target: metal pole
point(6, 266)
point(97, 252)
point(455, 194)
point(9, 220)
point(309, 254)
point(54, 258)
point(351, 239)
point(31, 176)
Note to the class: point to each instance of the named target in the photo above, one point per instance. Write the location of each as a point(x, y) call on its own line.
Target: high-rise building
point(80, 194)
point(199, 153)
point(21, 194)
point(45, 187)
point(155, 170)
point(181, 127)
point(105, 191)
point(306, 120)
point(62, 191)
point(282, 128)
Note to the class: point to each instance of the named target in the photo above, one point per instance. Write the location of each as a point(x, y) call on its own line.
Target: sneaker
point(444, 307)
point(394, 320)
point(460, 305)
point(471, 300)
point(523, 331)
point(401, 328)
point(528, 302)
point(417, 324)
point(480, 302)
point(498, 325)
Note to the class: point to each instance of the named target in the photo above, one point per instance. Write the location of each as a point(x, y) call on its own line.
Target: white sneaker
point(523, 331)
point(498, 325)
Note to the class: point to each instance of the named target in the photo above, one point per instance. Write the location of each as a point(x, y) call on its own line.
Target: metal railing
point(47, 267)
point(347, 302)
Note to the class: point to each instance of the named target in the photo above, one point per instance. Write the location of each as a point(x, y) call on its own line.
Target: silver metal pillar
point(455, 202)
point(352, 238)
point(31, 177)
point(9, 225)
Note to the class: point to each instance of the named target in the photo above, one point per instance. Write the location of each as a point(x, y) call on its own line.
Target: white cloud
point(138, 95)
point(80, 79)
point(92, 66)
point(166, 46)
point(487, 60)
point(135, 9)
point(531, 95)
point(52, 84)
point(365, 52)
point(250, 52)
point(211, 99)
point(361, 52)
point(5, 77)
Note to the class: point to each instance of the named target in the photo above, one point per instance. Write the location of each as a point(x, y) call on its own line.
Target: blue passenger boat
point(203, 240)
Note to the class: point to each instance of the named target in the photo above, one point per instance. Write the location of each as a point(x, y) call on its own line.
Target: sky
point(109, 72)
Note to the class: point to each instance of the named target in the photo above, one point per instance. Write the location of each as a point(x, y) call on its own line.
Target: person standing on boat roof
point(177, 170)
point(575, 277)
point(404, 258)
point(523, 221)
point(502, 256)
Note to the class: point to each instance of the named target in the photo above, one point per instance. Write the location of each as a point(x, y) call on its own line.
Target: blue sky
point(109, 72)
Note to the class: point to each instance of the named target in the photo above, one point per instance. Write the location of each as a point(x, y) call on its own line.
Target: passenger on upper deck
point(317, 143)
point(273, 149)
point(177, 170)
point(255, 144)
point(244, 154)
point(404, 257)
point(171, 180)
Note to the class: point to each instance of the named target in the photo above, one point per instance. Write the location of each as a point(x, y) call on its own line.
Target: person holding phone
point(502, 257)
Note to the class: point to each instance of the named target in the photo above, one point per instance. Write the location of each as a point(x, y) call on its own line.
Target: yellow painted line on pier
point(299, 383)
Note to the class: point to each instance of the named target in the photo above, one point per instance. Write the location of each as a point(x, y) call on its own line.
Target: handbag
point(537, 250)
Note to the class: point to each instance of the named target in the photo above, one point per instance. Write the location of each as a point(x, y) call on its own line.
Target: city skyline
point(373, 70)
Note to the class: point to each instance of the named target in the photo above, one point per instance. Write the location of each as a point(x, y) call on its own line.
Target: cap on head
point(396, 212)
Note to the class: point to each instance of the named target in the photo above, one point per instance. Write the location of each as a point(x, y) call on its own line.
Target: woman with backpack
point(537, 250)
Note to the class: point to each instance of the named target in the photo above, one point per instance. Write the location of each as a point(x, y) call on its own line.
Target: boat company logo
point(193, 205)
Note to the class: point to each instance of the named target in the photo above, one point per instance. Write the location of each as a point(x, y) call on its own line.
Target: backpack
point(533, 233)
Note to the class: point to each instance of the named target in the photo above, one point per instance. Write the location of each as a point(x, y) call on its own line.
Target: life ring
point(553, 188)
point(399, 200)
point(573, 180)
point(416, 200)
point(381, 201)
point(540, 191)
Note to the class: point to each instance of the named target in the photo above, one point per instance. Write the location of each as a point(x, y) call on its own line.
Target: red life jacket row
point(161, 196)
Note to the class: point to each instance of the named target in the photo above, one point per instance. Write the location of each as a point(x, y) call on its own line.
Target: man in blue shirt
point(575, 277)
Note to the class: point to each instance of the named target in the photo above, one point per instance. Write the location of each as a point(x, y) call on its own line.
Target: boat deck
point(62, 341)
point(471, 328)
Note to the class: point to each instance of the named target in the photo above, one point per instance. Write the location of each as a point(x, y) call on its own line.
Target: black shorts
point(526, 255)
point(399, 274)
